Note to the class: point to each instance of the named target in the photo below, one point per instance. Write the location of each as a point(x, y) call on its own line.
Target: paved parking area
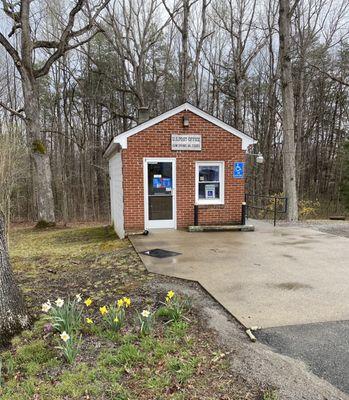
point(292, 281)
point(271, 277)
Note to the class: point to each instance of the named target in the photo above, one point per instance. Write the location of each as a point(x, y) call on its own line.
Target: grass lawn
point(176, 360)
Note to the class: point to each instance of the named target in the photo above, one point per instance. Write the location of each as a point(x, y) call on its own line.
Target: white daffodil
point(78, 298)
point(59, 302)
point(64, 336)
point(46, 307)
point(145, 313)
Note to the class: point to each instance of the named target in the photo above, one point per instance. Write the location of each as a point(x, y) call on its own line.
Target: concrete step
point(221, 228)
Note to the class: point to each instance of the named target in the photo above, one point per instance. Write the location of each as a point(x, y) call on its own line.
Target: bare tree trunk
point(238, 121)
point(13, 313)
point(42, 168)
point(289, 151)
point(184, 54)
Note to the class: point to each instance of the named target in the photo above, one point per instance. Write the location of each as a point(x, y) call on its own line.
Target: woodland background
point(221, 55)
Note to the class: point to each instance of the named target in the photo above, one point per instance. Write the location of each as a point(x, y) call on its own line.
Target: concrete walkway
point(271, 277)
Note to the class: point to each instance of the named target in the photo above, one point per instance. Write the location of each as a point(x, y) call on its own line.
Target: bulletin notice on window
point(186, 142)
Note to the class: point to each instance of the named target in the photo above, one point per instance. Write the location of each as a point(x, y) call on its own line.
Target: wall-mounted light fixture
point(259, 157)
point(185, 121)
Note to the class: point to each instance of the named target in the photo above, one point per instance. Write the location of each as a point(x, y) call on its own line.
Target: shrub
point(307, 208)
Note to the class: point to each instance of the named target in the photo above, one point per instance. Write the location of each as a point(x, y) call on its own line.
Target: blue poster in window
point(157, 183)
point(167, 183)
point(239, 169)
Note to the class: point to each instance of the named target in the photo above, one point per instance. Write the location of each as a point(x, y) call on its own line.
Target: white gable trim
point(121, 139)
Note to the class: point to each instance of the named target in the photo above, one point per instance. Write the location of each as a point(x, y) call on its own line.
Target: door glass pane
point(160, 190)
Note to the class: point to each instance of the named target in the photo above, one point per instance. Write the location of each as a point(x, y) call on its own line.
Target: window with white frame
point(209, 182)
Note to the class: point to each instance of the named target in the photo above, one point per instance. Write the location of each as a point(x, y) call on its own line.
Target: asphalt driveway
point(269, 278)
point(324, 347)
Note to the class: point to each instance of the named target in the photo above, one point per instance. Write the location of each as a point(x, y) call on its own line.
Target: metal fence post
point(196, 215)
point(243, 213)
point(275, 205)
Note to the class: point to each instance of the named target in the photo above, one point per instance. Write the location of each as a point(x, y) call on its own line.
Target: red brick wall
point(217, 145)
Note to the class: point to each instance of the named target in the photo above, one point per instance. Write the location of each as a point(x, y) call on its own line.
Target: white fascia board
point(246, 140)
point(122, 138)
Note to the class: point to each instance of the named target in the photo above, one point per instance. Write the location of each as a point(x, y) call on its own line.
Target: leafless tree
point(188, 60)
point(288, 120)
point(71, 36)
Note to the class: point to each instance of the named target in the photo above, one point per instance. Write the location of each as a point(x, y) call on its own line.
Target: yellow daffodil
point(170, 294)
point(103, 310)
point(127, 301)
point(145, 313)
point(120, 303)
point(64, 336)
point(89, 321)
point(88, 302)
point(116, 319)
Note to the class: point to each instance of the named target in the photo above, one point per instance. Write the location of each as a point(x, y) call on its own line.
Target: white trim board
point(120, 141)
point(219, 201)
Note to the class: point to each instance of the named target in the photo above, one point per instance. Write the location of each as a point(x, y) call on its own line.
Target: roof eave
point(121, 139)
point(114, 147)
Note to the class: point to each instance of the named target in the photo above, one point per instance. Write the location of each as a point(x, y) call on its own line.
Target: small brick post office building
point(164, 166)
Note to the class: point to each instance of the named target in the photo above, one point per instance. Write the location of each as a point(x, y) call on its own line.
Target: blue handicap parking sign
point(239, 169)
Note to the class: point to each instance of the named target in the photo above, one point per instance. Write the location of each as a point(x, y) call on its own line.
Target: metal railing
point(273, 206)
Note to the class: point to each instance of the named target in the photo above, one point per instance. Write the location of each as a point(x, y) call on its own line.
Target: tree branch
point(17, 113)
point(293, 8)
point(47, 44)
point(334, 78)
point(172, 15)
point(11, 51)
point(62, 46)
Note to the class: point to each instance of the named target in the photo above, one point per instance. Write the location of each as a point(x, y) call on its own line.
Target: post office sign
point(186, 142)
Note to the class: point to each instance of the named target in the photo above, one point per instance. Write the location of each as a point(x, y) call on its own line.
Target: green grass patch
point(175, 361)
point(270, 395)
